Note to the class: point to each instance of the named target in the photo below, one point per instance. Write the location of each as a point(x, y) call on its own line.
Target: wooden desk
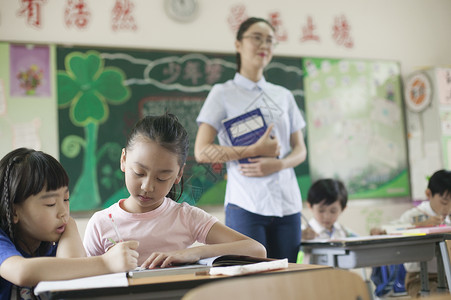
point(381, 250)
point(162, 287)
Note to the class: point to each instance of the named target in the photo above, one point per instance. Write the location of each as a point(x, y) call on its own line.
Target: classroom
point(170, 53)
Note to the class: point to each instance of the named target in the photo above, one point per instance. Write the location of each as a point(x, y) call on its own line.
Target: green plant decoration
point(87, 87)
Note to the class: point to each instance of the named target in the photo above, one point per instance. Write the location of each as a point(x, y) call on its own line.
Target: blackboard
point(102, 92)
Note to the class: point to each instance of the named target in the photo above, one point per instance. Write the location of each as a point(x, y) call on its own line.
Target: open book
point(250, 268)
point(232, 260)
point(220, 265)
point(202, 265)
point(420, 230)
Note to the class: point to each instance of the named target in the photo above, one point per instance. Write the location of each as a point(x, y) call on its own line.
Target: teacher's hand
point(267, 145)
point(260, 166)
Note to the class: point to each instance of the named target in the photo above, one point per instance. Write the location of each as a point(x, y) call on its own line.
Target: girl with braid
point(38, 238)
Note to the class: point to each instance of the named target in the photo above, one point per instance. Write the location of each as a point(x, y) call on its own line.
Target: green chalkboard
point(103, 92)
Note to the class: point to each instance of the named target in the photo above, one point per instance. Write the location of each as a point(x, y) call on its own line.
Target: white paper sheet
point(251, 268)
point(102, 281)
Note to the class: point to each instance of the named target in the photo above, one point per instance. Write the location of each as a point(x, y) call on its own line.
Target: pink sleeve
point(93, 236)
point(200, 222)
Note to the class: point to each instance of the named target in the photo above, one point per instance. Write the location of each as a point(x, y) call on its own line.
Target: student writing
point(327, 199)
point(262, 199)
point(38, 238)
point(153, 162)
point(433, 212)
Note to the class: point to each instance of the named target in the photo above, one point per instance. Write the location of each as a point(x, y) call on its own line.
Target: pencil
point(115, 228)
point(305, 219)
point(428, 215)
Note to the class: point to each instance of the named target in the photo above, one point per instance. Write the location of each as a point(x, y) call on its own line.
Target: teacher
point(262, 199)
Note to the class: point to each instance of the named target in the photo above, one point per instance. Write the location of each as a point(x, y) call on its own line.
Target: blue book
point(245, 129)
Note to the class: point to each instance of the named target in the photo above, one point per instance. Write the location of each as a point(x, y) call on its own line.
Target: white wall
point(413, 32)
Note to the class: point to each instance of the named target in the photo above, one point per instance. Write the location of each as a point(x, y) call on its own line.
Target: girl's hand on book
point(267, 145)
point(122, 257)
point(166, 259)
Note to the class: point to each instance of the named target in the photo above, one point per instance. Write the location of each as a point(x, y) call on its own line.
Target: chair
point(310, 285)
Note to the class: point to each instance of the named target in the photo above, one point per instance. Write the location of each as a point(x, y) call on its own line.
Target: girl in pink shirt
point(153, 162)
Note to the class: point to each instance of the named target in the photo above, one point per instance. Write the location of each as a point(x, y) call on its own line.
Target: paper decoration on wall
point(341, 32)
point(77, 14)
point(355, 125)
point(123, 16)
point(418, 92)
point(444, 85)
point(237, 15)
point(276, 21)
point(30, 71)
point(309, 31)
point(32, 11)
point(445, 118)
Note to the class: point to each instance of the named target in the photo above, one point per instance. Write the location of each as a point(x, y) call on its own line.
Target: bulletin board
point(103, 92)
point(356, 125)
point(27, 93)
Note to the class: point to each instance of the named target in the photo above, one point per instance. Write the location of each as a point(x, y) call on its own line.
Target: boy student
point(429, 213)
point(327, 199)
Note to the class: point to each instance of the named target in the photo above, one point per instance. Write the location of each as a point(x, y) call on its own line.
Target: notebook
point(202, 265)
point(245, 129)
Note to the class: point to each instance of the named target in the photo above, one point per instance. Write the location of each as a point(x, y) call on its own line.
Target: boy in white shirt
point(434, 212)
point(327, 199)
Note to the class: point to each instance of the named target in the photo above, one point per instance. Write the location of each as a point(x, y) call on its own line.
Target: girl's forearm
point(30, 271)
point(242, 247)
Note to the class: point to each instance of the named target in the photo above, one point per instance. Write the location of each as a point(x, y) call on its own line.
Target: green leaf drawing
point(87, 88)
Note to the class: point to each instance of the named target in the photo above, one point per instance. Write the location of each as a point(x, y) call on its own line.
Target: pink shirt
point(172, 226)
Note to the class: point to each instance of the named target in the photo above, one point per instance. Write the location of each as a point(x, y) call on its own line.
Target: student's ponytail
point(169, 133)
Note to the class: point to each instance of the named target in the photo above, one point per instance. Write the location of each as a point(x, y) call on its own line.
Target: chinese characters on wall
point(340, 31)
point(77, 14)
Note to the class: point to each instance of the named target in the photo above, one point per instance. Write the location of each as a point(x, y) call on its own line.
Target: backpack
point(389, 280)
